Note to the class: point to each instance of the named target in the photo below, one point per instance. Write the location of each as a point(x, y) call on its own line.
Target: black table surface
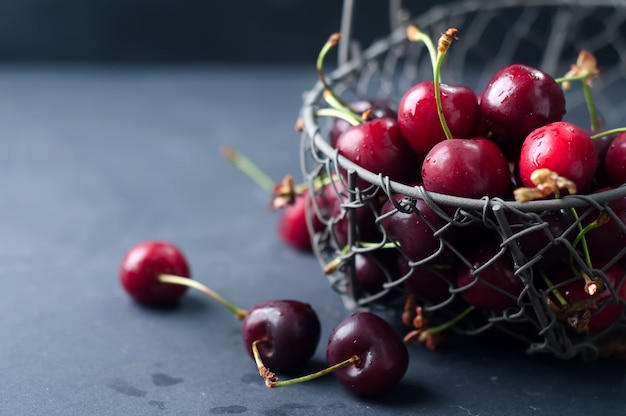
point(94, 160)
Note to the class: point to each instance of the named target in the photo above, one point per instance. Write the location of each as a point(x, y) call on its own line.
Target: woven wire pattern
point(545, 34)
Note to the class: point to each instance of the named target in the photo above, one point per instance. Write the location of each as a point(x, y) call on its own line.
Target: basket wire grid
point(545, 34)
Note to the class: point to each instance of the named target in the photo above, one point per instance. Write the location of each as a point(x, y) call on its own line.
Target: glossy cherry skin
point(615, 161)
point(141, 267)
point(518, 99)
point(380, 108)
point(413, 227)
point(470, 168)
point(290, 331)
point(383, 355)
point(419, 121)
point(496, 287)
point(377, 145)
point(292, 225)
point(563, 148)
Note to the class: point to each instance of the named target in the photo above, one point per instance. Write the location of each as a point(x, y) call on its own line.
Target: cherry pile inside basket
point(553, 277)
point(508, 141)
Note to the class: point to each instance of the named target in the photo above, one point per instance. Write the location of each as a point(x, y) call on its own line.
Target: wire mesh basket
point(535, 246)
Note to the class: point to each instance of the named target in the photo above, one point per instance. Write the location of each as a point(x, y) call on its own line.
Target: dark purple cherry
point(429, 283)
point(142, 266)
point(413, 227)
point(382, 356)
point(470, 168)
point(518, 99)
point(287, 333)
point(419, 121)
point(547, 241)
point(494, 287)
point(377, 145)
point(332, 203)
point(615, 161)
point(379, 108)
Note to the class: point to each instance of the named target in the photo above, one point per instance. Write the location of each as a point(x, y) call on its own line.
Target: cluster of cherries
point(509, 141)
point(364, 352)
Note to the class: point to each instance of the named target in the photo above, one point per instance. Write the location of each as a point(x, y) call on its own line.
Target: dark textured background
point(139, 31)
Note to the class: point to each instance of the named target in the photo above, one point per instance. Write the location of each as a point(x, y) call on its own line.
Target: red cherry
point(563, 148)
point(419, 121)
point(518, 99)
point(615, 161)
point(144, 263)
point(380, 108)
point(470, 168)
point(292, 224)
point(378, 146)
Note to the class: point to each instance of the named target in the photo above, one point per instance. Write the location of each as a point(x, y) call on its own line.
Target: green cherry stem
point(608, 132)
point(331, 97)
point(250, 169)
point(559, 297)
point(436, 57)
point(185, 281)
point(591, 108)
point(272, 381)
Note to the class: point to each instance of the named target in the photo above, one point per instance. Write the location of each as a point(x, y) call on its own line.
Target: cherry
point(379, 108)
point(413, 225)
point(286, 333)
point(292, 225)
point(141, 267)
point(283, 333)
point(585, 312)
point(615, 160)
point(488, 280)
point(381, 356)
point(378, 146)
point(429, 283)
point(470, 168)
point(518, 99)
point(543, 241)
point(419, 121)
point(331, 201)
point(560, 147)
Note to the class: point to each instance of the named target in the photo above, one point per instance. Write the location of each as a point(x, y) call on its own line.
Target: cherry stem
point(591, 108)
point(331, 97)
point(436, 58)
point(253, 171)
point(185, 281)
point(442, 327)
point(582, 239)
point(556, 293)
point(271, 380)
point(246, 166)
point(608, 132)
point(345, 115)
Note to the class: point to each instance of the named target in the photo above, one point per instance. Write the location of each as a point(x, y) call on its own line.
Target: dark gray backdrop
point(179, 30)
